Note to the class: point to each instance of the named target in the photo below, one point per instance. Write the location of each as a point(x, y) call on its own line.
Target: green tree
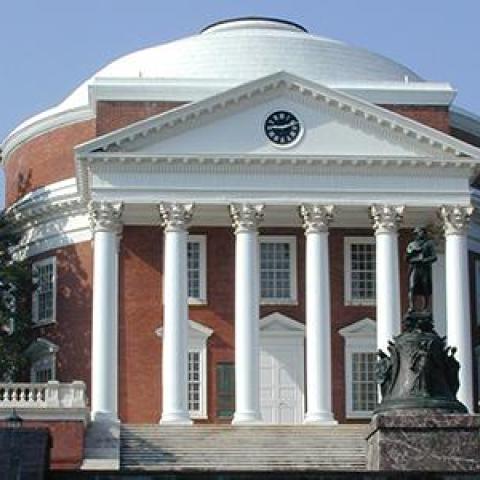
point(15, 304)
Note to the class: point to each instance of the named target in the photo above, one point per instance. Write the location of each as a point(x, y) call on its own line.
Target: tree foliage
point(15, 303)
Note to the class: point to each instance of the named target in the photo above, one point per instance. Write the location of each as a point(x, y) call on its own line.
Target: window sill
point(360, 303)
point(197, 302)
point(198, 416)
point(359, 415)
point(278, 301)
point(44, 323)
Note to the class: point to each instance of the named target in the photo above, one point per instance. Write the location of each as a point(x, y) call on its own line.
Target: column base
point(104, 417)
point(178, 418)
point(319, 418)
point(247, 418)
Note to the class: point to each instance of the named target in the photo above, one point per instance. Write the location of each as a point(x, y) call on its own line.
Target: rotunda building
point(218, 225)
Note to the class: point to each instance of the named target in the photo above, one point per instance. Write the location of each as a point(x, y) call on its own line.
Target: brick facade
point(141, 313)
point(72, 330)
point(45, 159)
point(49, 158)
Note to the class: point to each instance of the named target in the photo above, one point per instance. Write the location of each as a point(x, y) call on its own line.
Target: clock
point(282, 127)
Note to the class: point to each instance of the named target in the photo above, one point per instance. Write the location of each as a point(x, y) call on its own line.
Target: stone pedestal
point(424, 440)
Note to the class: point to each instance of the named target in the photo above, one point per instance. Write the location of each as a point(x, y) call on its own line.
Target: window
point(44, 295)
point(43, 369)
point(278, 260)
point(364, 386)
point(360, 360)
point(225, 389)
point(197, 269)
point(360, 269)
point(43, 358)
point(195, 375)
point(198, 336)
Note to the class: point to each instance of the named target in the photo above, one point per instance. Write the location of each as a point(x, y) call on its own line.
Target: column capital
point(456, 219)
point(246, 217)
point(316, 218)
point(176, 216)
point(386, 218)
point(105, 216)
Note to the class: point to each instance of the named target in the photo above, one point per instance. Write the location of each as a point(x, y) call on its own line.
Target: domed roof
point(245, 49)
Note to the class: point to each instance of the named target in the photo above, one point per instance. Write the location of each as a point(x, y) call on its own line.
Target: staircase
point(242, 448)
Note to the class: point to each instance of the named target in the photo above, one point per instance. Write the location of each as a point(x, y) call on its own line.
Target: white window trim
point(35, 320)
point(360, 337)
point(198, 336)
point(292, 241)
point(202, 241)
point(347, 256)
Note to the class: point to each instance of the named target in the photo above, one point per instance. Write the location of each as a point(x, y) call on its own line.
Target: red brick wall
point(72, 331)
point(141, 312)
point(114, 115)
point(45, 159)
point(67, 442)
point(433, 116)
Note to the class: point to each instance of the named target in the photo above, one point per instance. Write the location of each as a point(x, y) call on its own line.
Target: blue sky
point(48, 47)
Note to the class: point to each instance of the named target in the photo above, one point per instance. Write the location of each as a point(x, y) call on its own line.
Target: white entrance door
point(282, 371)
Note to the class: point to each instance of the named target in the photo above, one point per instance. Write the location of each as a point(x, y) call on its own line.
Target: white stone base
point(176, 419)
point(104, 417)
point(102, 446)
point(247, 418)
point(319, 418)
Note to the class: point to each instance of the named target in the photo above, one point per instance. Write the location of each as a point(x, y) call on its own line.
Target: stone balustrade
point(48, 395)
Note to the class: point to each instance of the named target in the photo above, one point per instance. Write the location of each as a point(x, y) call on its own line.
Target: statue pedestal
point(424, 440)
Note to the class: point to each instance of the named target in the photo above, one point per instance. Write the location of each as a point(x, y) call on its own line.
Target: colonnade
point(246, 219)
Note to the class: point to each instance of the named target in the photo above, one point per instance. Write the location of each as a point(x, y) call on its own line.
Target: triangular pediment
point(333, 124)
point(365, 327)
point(279, 323)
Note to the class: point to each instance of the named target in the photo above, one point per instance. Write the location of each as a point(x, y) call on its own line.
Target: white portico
point(355, 165)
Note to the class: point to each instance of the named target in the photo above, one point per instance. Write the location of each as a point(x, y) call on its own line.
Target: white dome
point(245, 49)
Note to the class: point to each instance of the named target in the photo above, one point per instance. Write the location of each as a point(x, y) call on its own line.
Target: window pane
point(362, 271)
point(42, 370)
point(275, 270)
point(193, 266)
point(44, 292)
point(194, 382)
point(364, 386)
point(225, 390)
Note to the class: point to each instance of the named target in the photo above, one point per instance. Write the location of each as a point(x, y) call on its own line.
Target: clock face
point(282, 127)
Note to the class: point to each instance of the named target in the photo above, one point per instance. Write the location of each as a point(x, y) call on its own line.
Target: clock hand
point(282, 127)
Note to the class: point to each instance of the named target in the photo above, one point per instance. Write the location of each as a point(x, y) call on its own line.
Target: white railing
point(43, 395)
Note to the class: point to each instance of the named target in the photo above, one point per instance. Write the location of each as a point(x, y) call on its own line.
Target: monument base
point(424, 440)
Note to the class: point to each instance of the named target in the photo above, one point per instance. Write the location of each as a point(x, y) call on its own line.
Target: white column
point(456, 220)
point(246, 219)
point(316, 219)
point(106, 226)
point(386, 220)
point(175, 314)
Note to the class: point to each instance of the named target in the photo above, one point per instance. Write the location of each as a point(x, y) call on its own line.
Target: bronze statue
point(420, 371)
point(420, 255)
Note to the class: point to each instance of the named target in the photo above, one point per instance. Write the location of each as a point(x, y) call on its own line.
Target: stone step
point(226, 447)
